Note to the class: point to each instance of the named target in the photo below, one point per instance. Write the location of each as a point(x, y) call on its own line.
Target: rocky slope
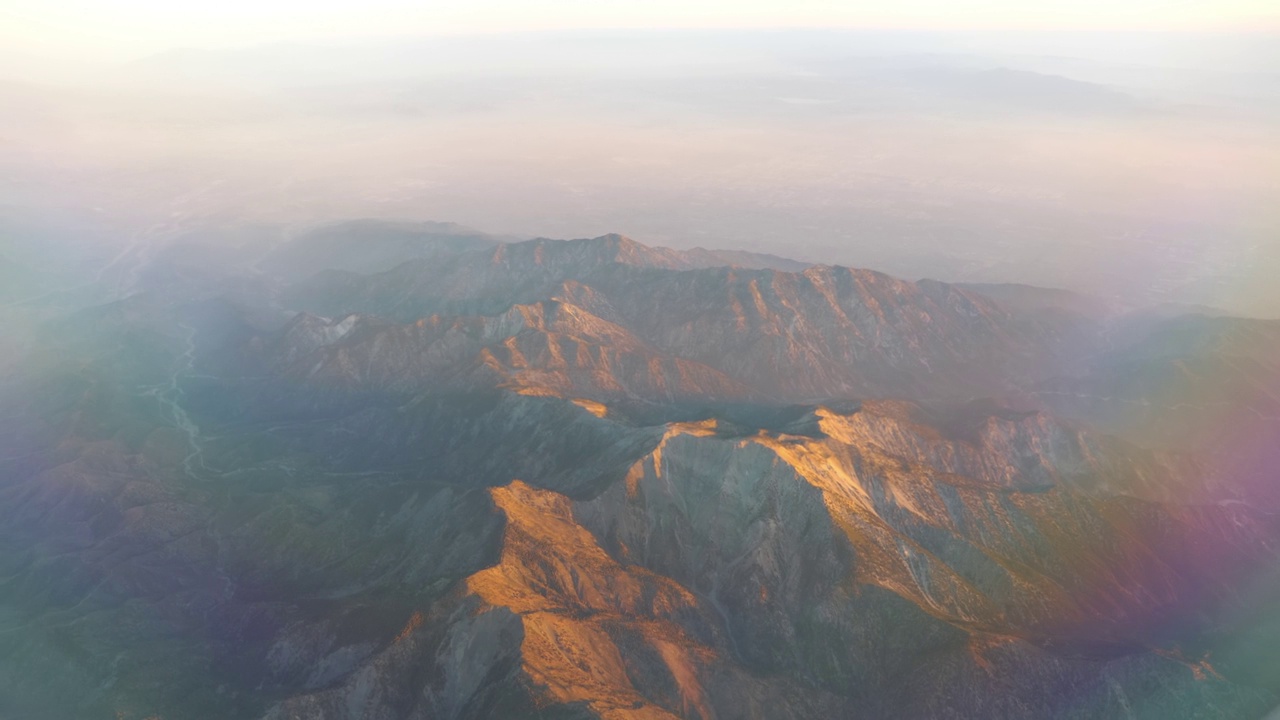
point(546, 347)
point(817, 333)
point(740, 574)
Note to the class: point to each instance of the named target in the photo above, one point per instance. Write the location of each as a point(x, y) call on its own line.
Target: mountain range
point(409, 470)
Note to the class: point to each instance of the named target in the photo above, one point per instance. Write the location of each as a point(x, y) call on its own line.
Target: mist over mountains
point(1135, 167)
point(410, 470)
point(938, 376)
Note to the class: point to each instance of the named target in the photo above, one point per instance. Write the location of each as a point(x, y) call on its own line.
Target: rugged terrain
point(413, 471)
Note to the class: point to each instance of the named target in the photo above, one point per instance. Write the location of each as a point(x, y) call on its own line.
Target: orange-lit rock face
point(1000, 533)
point(577, 605)
point(549, 561)
point(551, 347)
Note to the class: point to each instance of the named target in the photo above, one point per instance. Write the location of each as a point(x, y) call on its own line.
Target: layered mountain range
point(386, 471)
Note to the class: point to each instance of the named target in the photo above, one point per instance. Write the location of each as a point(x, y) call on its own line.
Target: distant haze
point(141, 26)
point(1134, 165)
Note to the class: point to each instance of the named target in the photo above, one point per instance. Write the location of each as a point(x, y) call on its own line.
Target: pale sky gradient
point(121, 29)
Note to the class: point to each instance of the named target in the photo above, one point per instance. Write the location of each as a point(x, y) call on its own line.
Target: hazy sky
point(90, 29)
point(1127, 161)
